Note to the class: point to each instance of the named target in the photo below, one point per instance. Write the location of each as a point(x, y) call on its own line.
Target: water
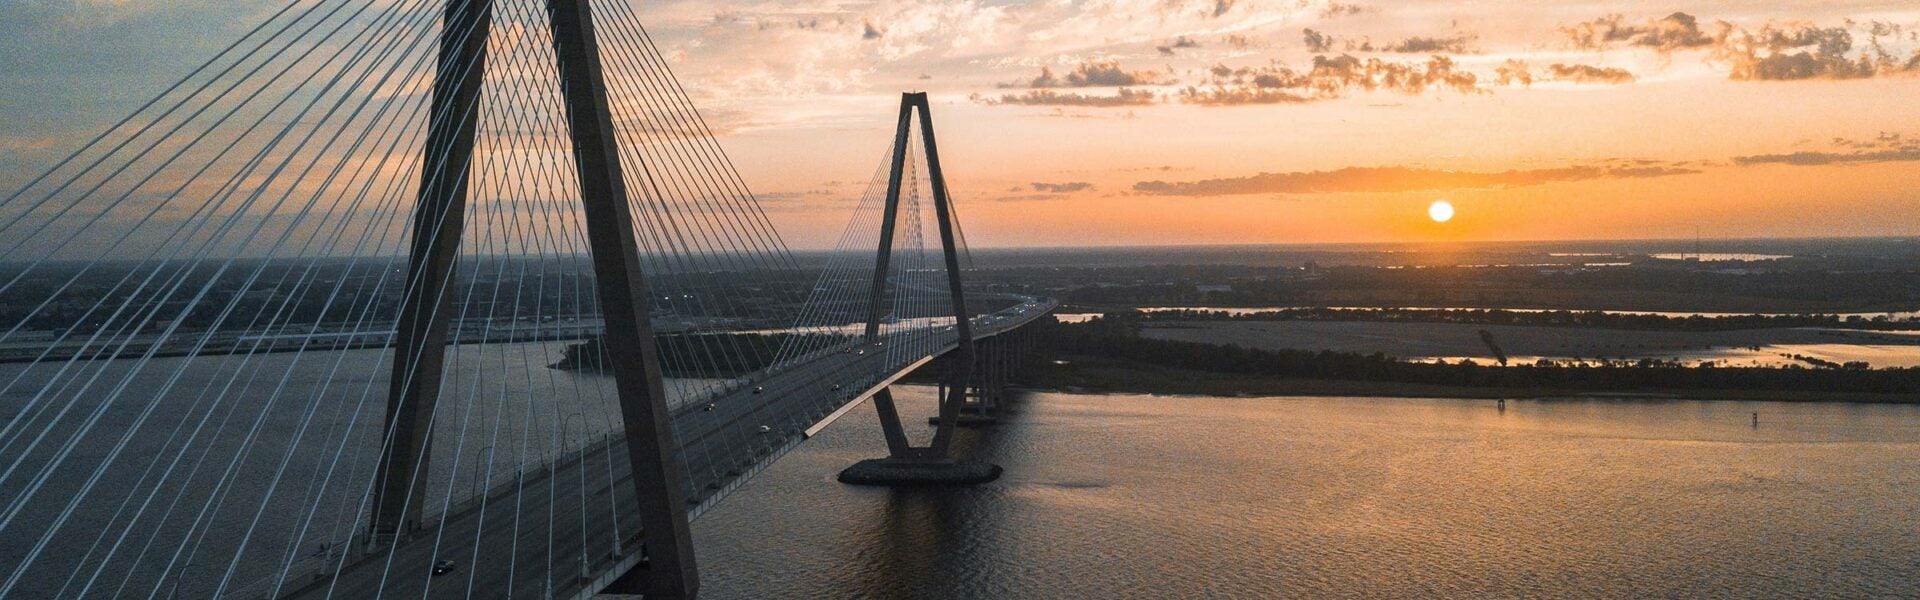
point(1158, 497)
point(282, 458)
point(1105, 496)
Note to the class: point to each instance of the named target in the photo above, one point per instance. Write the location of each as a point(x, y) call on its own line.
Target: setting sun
point(1440, 211)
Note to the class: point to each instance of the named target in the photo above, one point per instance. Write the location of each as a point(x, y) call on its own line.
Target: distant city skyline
point(1217, 121)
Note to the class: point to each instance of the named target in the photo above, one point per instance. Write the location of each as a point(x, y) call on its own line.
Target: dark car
point(443, 567)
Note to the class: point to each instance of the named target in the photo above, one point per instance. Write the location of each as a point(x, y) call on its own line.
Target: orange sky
point(1697, 100)
point(1102, 122)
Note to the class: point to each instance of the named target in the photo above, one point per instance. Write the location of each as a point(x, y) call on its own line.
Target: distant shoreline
point(1391, 311)
point(1082, 374)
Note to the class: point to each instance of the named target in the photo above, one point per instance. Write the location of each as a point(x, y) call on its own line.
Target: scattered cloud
point(1043, 97)
point(1396, 179)
point(1240, 96)
point(1408, 77)
point(1886, 147)
point(1461, 43)
point(1317, 42)
point(1884, 139)
point(1832, 158)
point(1807, 52)
point(813, 200)
point(1058, 188)
point(1329, 77)
point(1882, 148)
point(1673, 32)
point(1178, 43)
point(1025, 197)
point(1772, 52)
point(1097, 73)
point(1457, 44)
point(1590, 74)
point(1513, 71)
point(1220, 7)
point(1338, 9)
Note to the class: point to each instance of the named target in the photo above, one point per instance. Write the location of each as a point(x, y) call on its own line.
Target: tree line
point(1551, 318)
point(1118, 339)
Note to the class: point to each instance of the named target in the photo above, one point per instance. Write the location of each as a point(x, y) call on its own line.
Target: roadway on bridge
point(506, 547)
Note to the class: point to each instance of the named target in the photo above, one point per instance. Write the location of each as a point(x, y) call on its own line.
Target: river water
point(192, 473)
point(1156, 497)
point(1104, 496)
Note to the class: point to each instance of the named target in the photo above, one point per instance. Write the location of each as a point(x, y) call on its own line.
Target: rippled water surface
point(1155, 497)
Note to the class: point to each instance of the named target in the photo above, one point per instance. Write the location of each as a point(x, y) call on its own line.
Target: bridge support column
point(931, 464)
point(667, 570)
point(420, 338)
point(980, 406)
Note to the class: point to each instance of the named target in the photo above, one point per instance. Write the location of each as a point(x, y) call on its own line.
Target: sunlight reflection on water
point(1152, 497)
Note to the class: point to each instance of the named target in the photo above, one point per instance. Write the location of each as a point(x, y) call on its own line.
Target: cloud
point(813, 200)
point(1322, 42)
point(1097, 73)
point(1124, 97)
point(1513, 71)
point(1590, 74)
point(1239, 96)
point(1328, 78)
point(1673, 32)
point(1337, 9)
point(1181, 42)
point(1882, 148)
point(1884, 139)
point(1059, 188)
point(1807, 159)
point(1886, 147)
point(1458, 44)
point(1335, 74)
point(1773, 52)
point(1317, 42)
point(1806, 52)
point(1220, 7)
point(1396, 179)
point(1024, 197)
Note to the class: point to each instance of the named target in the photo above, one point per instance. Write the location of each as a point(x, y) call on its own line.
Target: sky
point(1124, 122)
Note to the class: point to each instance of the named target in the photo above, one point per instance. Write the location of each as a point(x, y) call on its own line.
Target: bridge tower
point(667, 567)
point(905, 463)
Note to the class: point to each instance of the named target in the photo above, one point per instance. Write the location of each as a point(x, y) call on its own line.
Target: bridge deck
point(521, 553)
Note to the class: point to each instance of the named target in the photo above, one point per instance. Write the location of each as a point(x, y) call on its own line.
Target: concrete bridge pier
point(999, 357)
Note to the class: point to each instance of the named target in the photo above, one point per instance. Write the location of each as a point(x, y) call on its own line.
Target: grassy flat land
point(1586, 299)
point(1404, 339)
point(1099, 374)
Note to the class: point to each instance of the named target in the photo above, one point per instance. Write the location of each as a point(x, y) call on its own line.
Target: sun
point(1440, 211)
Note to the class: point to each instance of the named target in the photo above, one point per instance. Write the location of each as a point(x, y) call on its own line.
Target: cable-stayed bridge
point(450, 299)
